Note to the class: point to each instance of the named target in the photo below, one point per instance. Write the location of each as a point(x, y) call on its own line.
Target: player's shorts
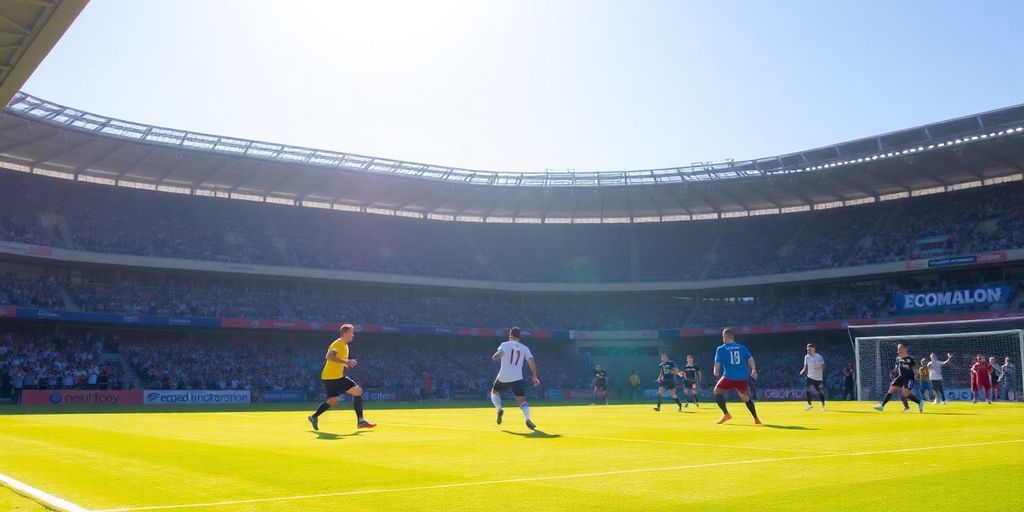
point(981, 383)
point(689, 384)
point(601, 386)
point(667, 384)
point(518, 387)
point(814, 383)
point(725, 384)
point(902, 382)
point(335, 387)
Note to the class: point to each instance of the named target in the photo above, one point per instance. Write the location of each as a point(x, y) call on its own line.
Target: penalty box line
point(43, 498)
point(553, 477)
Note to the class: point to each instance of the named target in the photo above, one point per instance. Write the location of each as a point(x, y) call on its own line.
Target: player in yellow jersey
point(337, 383)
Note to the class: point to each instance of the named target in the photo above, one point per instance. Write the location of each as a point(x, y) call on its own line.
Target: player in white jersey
point(935, 376)
point(814, 368)
point(512, 354)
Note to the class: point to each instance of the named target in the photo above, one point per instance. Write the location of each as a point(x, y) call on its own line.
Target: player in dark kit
point(600, 384)
point(667, 372)
point(903, 380)
point(691, 376)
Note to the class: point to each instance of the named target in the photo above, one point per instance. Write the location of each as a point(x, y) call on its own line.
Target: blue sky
point(587, 85)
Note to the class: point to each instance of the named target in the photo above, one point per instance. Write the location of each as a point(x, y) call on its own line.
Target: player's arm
point(753, 367)
point(718, 369)
point(700, 376)
point(533, 368)
point(332, 355)
point(949, 357)
point(804, 369)
point(497, 356)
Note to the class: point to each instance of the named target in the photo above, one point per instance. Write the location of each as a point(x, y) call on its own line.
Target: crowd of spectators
point(40, 210)
point(56, 361)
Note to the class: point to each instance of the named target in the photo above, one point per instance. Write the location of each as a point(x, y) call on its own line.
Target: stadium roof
point(49, 138)
point(28, 31)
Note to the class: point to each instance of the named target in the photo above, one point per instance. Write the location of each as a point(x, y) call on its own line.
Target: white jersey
point(935, 369)
point(815, 366)
point(513, 355)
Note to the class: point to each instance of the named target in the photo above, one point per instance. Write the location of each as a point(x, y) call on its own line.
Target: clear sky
point(587, 85)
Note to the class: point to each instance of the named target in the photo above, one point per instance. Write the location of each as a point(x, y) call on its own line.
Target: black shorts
point(902, 382)
point(335, 387)
point(667, 384)
point(601, 387)
point(689, 384)
point(814, 383)
point(518, 387)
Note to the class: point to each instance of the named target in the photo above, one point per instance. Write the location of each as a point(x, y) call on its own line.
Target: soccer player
point(667, 381)
point(512, 353)
point(691, 376)
point(981, 379)
point(814, 369)
point(848, 381)
point(600, 384)
point(335, 381)
point(734, 365)
point(1007, 378)
point(935, 376)
point(924, 384)
point(902, 381)
point(634, 386)
point(994, 378)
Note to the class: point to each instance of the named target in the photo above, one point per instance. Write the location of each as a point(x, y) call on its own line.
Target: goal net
point(875, 354)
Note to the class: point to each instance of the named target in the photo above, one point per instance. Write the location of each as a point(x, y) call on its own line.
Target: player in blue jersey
point(734, 365)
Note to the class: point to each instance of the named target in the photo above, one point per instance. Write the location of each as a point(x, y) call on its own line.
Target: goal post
point(875, 353)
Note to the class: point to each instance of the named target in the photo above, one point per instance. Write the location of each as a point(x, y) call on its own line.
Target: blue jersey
point(733, 358)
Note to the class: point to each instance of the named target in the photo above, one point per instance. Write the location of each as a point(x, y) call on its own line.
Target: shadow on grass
point(536, 434)
point(327, 436)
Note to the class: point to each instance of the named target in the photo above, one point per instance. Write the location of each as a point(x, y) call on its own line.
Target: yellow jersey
point(332, 369)
point(634, 380)
point(922, 373)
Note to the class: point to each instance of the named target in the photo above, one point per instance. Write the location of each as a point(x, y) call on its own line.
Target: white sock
point(525, 407)
point(496, 400)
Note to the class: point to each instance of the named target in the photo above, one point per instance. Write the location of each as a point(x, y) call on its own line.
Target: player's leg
point(519, 390)
point(720, 388)
point(332, 388)
point(356, 392)
point(748, 401)
point(820, 387)
point(908, 394)
point(693, 391)
point(888, 396)
point(675, 396)
point(496, 390)
point(661, 391)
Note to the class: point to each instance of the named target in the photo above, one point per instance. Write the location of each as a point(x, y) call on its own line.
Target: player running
point(512, 353)
point(735, 365)
point(691, 376)
point(667, 372)
point(994, 377)
point(903, 380)
point(814, 368)
point(935, 376)
point(981, 379)
point(335, 381)
point(600, 384)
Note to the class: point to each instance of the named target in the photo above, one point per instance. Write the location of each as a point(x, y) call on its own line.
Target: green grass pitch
point(619, 457)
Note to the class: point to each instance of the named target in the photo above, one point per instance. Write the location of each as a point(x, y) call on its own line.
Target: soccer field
point(619, 457)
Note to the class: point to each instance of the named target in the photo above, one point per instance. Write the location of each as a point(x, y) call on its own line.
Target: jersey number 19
point(734, 357)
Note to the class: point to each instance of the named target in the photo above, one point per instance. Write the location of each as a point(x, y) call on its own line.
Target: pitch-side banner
point(195, 396)
point(80, 397)
point(983, 296)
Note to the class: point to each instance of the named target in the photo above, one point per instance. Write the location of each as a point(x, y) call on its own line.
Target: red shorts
point(981, 383)
point(725, 385)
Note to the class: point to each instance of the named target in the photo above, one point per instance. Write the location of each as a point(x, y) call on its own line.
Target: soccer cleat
point(313, 420)
point(906, 409)
point(809, 407)
point(687, 404)
point(757, 421)
point(936, 402)
point(879, 407)
point(989, 402)
point(501, 412)
point(725, 418)
point(658, 408)
point(365, 424)
point(823, 408)
point(530, 425)
point(680, 408)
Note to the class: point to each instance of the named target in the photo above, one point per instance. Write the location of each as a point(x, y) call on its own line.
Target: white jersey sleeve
point(815, 366)
point(513, 356)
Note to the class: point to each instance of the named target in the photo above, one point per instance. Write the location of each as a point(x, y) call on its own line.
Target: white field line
point(553, 477)
point(45, 499)
point(620, 439)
